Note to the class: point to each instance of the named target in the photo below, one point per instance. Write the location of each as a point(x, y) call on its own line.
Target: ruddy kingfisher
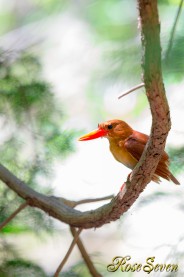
point(127, 145)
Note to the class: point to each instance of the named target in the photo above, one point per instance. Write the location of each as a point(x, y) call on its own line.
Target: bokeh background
point(63, 64)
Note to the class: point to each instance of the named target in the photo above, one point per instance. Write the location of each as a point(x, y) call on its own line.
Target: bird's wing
point(135, 144)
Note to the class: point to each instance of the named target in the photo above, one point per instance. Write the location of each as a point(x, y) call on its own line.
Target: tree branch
point(155, 91)
point(85, 255)
point(142, 174)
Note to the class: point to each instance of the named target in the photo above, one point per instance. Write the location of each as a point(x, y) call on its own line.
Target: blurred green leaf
point(174, 65)
point(177, 159)
point(21, 268)
point(33, 138)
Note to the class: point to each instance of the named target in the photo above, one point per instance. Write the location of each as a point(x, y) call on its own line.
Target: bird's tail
point(170, 176)
point(174, 179)
point(156, 179)
point(164, 172)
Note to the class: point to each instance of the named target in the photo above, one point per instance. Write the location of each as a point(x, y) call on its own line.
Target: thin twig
point(73, 204)
point(173, 31)
point(130, 90)
point(56, 274)
point(85, 255)
point(20, 208)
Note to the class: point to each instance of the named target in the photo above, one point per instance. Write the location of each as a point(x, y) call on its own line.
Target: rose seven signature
point(122, 264)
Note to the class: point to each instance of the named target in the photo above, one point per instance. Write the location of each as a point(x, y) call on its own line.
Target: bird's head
point(111, 129)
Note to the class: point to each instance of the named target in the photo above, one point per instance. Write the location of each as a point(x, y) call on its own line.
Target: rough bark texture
point(151, 63)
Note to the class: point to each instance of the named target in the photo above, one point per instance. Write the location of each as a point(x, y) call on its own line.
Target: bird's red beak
point(94, 134)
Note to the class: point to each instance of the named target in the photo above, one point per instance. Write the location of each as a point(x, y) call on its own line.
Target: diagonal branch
point(18, 210)
point(60, 267)
point(142, 174)
point(170, 44)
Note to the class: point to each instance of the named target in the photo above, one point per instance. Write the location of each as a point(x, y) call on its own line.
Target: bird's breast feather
point(121, 154)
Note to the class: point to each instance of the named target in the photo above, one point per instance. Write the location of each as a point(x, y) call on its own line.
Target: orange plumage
point(127, 146)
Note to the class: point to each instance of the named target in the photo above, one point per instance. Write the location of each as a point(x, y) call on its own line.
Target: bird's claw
point(122, 187)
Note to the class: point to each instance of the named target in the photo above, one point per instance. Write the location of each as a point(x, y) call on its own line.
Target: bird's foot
point(129, 177)
point(122, 187)
point(123, 190)
point(128, 180)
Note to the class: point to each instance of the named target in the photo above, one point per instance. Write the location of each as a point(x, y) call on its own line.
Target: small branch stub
point(131, 90)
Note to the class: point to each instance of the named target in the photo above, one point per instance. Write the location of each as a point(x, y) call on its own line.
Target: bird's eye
point(109, 126)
